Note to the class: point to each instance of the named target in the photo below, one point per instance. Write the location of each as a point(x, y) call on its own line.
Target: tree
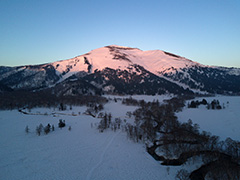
point(39, 129)
point(27, 129)
point(47, 129)
point(219, 106)
point(208, 106)
point(193, 104)
point(62, 107)
point(204, 102)
point(182, 175)
point(109, 120)
point(61, 123)
point(129, 114)
point(100, 107)
point(213, 104)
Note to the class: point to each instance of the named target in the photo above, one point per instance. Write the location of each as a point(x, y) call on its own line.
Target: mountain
point(4, 88)
point(123, 70)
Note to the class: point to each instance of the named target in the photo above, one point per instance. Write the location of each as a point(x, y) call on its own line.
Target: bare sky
point(35, 32)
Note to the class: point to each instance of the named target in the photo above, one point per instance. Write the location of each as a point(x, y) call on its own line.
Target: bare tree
point(27, 129)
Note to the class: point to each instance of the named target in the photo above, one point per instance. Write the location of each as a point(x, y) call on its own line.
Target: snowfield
point(82, 153)
point(223, 123)
point(86, 154)
point(154, 61)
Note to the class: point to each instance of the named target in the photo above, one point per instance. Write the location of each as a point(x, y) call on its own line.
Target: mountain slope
point(215, 80)
point(118, 57)
point(124, 70)
point(28, 77)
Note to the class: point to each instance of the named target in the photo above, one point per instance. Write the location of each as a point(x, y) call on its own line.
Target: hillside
point(108, 69)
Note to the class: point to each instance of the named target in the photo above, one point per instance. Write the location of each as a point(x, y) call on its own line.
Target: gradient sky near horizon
point(42, 31)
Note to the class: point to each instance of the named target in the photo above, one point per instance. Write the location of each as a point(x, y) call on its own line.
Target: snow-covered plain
point(223, 123)
point(85, 154)
point(82, 153)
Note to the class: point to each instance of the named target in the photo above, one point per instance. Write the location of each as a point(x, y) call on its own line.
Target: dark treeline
point(26, 99)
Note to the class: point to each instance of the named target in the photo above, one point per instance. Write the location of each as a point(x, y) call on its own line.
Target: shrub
point(47, 129)
point(27, 129)
point(182, 175)
point(39, 129)
point(61, 123)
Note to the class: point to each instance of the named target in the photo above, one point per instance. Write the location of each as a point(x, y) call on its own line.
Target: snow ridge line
point(101, 157)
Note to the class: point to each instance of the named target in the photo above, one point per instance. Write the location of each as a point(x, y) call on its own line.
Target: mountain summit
point(123, 70)
point(120, 57)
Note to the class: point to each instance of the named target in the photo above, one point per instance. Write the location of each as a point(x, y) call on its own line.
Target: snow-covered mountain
point(123, 70)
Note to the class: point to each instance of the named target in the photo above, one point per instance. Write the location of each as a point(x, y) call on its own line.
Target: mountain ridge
point(187, 74)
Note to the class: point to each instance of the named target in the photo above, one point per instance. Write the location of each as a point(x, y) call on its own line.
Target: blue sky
point(41, 31)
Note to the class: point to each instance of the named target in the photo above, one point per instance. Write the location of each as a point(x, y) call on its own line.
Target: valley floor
point(223, 123)
point(82, 153)
point(86, 154)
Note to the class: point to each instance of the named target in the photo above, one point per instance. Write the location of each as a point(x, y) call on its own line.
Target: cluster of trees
point(40, 128)
point(130, 101)
point(48, 128)
point(133, 102)
point(93, 109)
point(175, 143)
point(195, 104)
point(134, 133)
point(153, 118)
point(108, 123)
point(215, 104)
point(105, 122)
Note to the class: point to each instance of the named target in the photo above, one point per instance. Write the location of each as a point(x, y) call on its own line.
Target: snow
point(154, 60)
point(235, 71)
point(82, 153)
point(118, 110)
point(185, 86)
point(157, 60)
point(120, 57)
point(147, 98)
point(85, 153)
point(229, 70)
point(223, 123)
point(117, 46)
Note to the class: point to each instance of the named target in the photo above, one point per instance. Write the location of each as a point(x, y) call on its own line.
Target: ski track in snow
point(101, 157)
